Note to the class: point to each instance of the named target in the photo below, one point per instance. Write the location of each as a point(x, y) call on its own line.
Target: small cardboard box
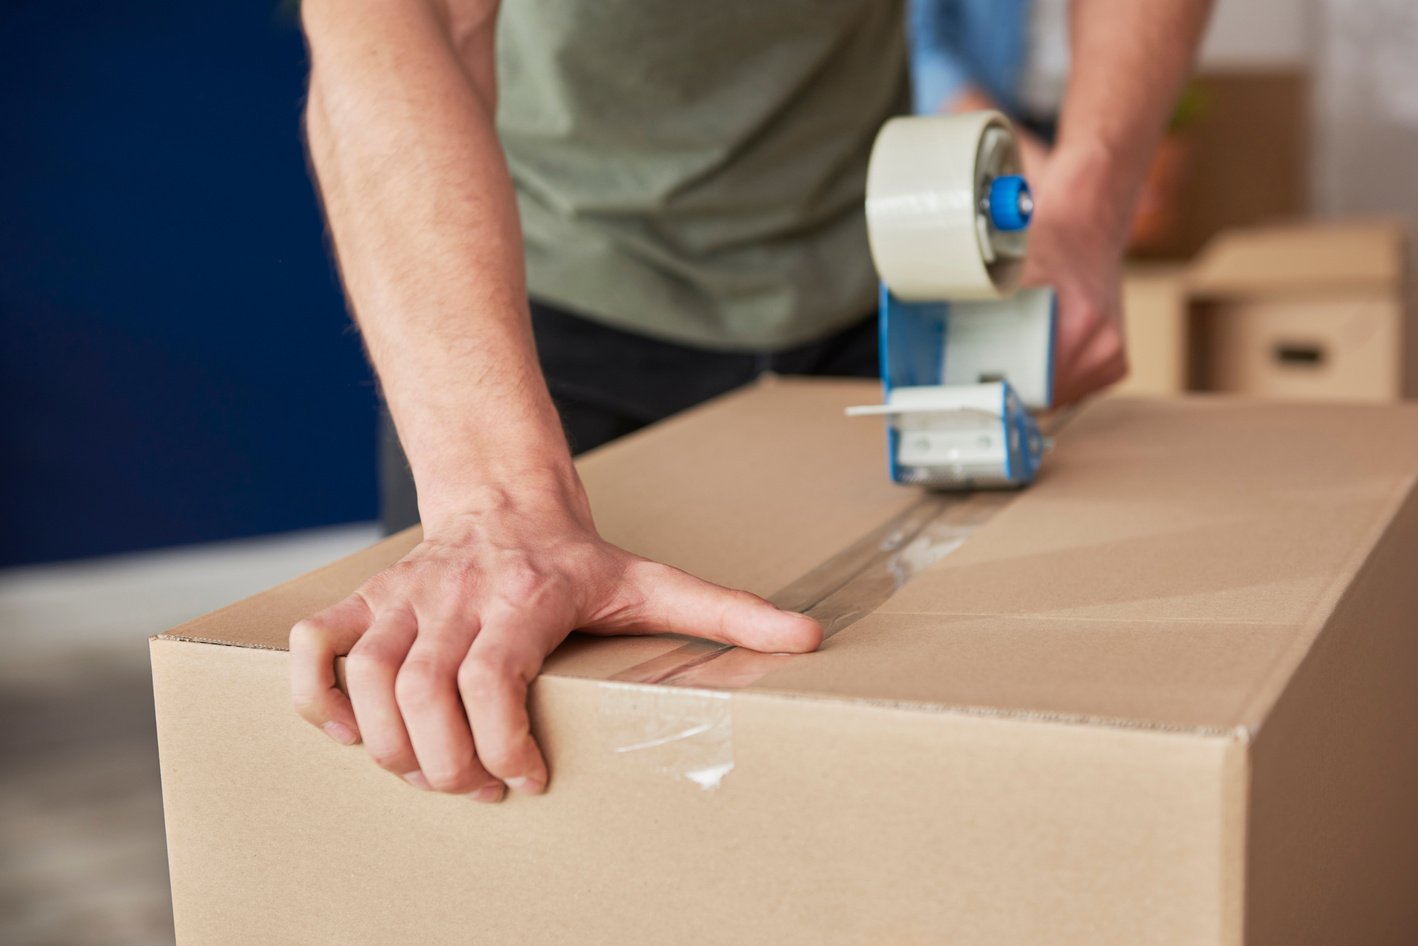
point(1165, 696)
point(1312, 311)
point(1308, 312)
point(1157, 326)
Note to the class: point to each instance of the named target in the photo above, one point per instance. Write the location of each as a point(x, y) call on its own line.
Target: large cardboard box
point(1164, 696)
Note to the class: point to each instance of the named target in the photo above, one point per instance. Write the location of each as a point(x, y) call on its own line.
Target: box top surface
point(1302, 258)
point(1169, 569)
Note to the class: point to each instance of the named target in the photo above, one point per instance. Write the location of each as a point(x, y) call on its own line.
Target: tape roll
point(928, 197)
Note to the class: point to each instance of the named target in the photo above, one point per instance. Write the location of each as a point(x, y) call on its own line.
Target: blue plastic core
point(1011, 203)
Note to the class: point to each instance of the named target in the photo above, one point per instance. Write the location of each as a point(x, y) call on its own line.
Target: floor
point(82, 857)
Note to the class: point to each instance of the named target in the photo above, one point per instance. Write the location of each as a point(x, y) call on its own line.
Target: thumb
point(674, 601)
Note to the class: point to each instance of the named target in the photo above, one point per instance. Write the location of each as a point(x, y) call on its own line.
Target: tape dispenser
point(965, 354)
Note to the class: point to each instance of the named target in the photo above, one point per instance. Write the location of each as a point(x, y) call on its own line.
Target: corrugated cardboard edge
point(1240, 734)
point(366, 561)
point(1381, 532)
point(1332, 849)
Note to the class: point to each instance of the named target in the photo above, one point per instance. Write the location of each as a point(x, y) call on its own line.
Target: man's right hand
point(441, 646)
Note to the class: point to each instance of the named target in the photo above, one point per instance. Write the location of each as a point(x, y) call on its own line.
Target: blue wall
point(175, 362)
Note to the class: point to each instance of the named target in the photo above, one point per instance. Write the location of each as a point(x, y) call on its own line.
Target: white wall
point(1366, 107)
point(1365, 157)
point(1258, 33)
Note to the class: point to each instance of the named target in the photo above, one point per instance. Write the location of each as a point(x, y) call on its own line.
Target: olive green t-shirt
point(693, 170)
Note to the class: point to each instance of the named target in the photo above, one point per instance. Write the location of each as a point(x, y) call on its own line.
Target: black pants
point(607, 383)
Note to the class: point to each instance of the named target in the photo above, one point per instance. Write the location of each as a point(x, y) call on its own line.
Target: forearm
point(424, 219)
point(1129, 61)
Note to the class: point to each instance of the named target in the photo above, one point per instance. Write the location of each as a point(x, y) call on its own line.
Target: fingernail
point(526, 785)
point(416, 779)
point(489, 793)
point(341, 733)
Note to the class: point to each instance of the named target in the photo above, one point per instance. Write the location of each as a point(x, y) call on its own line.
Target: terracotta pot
point(1159, 203)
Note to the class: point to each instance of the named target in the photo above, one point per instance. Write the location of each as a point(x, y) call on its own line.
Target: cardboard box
point(1164, 696)
point(1310, 311)
point(1157, 326)
point(1245, 158)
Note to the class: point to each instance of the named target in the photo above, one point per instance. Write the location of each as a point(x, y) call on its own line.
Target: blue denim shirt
point(959, 42)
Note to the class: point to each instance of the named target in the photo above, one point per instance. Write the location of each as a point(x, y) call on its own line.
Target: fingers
point(314, 644)
point(426, 689)
point(370, 672)
point(1101, 363)
point(1089, 352)
point(439, 668)
point(675, 601)
point(1079, 325)
point(493, 681)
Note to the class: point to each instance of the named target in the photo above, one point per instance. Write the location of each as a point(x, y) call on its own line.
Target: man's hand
point(1128, 63)
point(443, 645)
point(1076, 245)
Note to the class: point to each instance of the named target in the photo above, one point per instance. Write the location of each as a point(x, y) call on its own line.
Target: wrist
point(447, 505)
point(466, 460)
point(1094, 183)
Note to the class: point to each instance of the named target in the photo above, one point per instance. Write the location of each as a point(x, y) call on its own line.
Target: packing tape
point(837, 593)
point(927, 207)
point(674, 713)
point(685, 734)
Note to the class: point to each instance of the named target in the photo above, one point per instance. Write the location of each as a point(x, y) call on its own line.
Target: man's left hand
point(1076, 244)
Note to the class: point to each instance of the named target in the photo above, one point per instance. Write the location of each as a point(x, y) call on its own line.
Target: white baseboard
point(53, 610)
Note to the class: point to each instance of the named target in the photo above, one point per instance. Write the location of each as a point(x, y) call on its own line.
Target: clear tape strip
point(674, 713)
point(837, 593)
point(685, 734)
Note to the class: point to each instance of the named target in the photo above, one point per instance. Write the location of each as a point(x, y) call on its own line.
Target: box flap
point(1302, 258)
point(1166, 570)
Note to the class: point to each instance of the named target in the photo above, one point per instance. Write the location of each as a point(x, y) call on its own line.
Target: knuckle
point(521, 585)
point(365, 658)
point(307, 705)
point(480, 672)
point(459, 577)
point(389, 758)
point(500, 757)
point(306, 634)
point(416, 683)
point(497, 761)
point(375, 587)
point(448, 776)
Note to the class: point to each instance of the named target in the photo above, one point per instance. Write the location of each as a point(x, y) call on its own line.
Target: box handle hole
point(1299, 354)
